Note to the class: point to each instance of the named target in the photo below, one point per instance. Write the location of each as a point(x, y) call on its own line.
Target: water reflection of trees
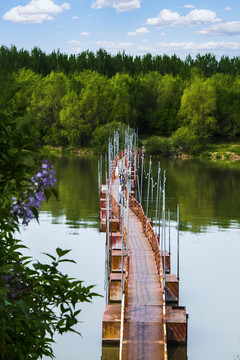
point(78, 193)
point(208, 192)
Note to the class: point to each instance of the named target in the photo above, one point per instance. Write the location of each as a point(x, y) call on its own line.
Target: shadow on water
point(177, 352)
point(174, 352)
point(110, 352)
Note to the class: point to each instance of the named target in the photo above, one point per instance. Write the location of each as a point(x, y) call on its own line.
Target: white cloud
point(182, 49)
point(75, 18)
point(84, 33)
point(228, 8)
point(66, 6)
point(189, 6)
point(119, 5)
point(75, 50)
point(194, 17)
point(114, 47)
point(205, 46)
point(36, 11)
point(74, 42)
point(224, 29)
point(138, 32)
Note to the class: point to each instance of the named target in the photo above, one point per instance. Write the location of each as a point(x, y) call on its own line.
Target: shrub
point(156, 145)
point(186, 139)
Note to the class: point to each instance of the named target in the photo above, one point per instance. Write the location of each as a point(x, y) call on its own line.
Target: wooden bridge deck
point(143, 337)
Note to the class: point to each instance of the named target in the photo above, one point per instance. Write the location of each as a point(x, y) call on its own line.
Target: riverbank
point(60, 150)
point(160, 146)
point(222, 151)
point(213, 152)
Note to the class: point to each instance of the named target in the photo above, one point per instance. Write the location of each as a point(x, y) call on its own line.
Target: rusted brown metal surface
point(111, 324)
point(176, 325)
point(116, 260)
point(114, 225)
point(143, 337)
point(115, 240)
point(167, 260)
point(172, 288)
point(115, 289)
point(103, 203)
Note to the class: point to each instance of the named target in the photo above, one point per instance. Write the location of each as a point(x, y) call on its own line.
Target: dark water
point(209, 199)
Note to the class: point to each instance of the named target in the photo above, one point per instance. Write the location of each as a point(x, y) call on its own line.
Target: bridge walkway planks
point(143, 337)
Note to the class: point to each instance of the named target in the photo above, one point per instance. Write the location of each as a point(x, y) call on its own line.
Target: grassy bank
point(222, 151)
point(56, 151)
point(164, 147)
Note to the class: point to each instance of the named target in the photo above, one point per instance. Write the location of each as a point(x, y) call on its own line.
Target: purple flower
point(15, 284)
point(43, 179)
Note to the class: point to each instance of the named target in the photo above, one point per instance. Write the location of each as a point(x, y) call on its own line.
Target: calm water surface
point(209, 198)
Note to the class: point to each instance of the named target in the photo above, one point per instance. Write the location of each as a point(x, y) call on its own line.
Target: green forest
point(77, 100)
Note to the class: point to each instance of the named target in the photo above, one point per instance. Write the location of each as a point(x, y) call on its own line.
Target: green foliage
point(45, 108)
point(67, 98)
point(228, 105)
point(82, 113)
point(103, 133)
point(164, 119)
point(36, 299)
point(121, 92)
point(198, 107)
point(186, 140)
point(158, 146)
point(11, 60)
point(37, 302)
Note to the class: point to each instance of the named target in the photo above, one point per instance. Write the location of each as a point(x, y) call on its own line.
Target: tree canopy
point(67, 98)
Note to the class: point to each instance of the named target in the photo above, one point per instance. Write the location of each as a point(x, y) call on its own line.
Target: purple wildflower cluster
point(16, 286)
point(42, 180)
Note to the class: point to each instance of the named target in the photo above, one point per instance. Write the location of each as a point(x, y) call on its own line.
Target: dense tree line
point(12, 59)
point(80, 108)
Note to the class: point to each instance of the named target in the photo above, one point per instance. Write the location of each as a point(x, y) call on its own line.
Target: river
point(208, 196)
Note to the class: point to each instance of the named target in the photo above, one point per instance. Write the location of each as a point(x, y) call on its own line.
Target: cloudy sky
point(136, 26)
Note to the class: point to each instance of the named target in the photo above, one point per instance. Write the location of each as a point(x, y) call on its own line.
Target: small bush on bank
point(187, 140)
point(156, 145)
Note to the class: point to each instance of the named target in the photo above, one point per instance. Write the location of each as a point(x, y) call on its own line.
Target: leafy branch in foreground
point(36, 299)
point(35, 303)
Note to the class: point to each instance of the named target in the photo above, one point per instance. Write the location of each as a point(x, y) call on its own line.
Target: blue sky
point(136, 26)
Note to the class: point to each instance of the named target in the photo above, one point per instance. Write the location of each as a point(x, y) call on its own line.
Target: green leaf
point(67, 260)
point(55, 193)
point(6, 302)
point(61, 252)
point(47, 194)
point(35, 212)
point(49, 255)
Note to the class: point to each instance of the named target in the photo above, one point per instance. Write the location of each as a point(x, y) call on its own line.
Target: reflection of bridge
point(141, 314)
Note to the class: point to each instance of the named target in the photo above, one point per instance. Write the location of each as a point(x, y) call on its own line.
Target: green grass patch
point(223, 151)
